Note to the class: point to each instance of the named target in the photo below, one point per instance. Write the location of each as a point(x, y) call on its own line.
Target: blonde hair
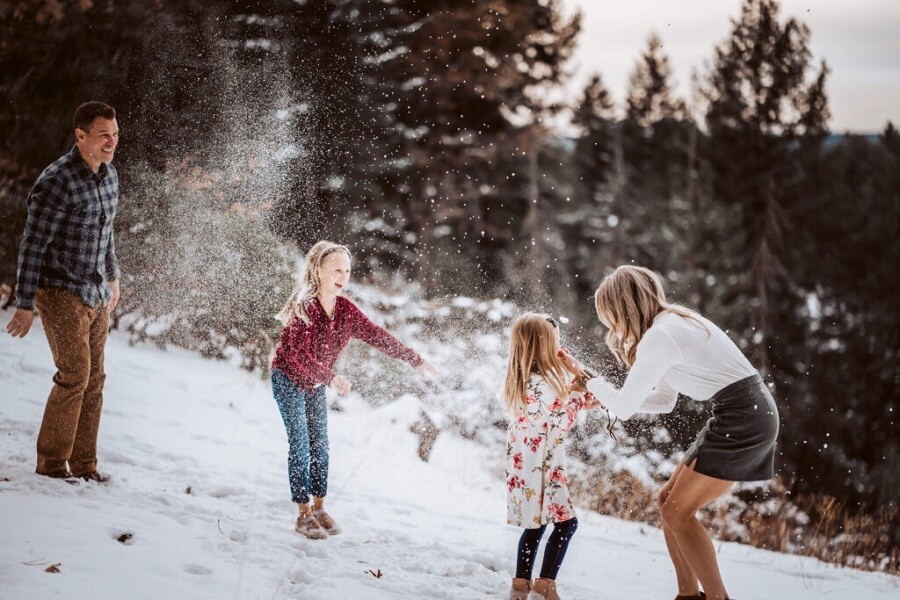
point(298, 303)
point(627, 301)
point(532, 349)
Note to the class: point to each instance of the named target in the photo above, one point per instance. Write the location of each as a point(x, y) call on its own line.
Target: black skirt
point(738, 442)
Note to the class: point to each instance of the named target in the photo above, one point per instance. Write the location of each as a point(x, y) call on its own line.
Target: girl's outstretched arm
point(378, 337)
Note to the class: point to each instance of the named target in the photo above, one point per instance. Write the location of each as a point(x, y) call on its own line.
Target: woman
point(669, 349)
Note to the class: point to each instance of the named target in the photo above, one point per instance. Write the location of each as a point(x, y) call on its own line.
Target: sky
point(859, 40)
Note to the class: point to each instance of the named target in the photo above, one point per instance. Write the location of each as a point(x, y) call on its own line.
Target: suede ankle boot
point(543, 589)
point(308, 526)
point(520, 588)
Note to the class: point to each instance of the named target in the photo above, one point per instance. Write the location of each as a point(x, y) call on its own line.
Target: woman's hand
point(569, 362)
point(341, 384)
point(426, 370)
point(590, 401)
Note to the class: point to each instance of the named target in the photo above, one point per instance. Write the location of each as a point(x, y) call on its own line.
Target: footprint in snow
point(195, 569)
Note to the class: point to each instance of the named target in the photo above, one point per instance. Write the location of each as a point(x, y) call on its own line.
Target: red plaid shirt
point(307, 353)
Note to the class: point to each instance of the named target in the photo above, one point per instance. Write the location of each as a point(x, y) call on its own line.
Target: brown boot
point(543, 589)
point(63, 474)
point(308, 526)
point(95, 476)
point(326, 521)
point(520, 588)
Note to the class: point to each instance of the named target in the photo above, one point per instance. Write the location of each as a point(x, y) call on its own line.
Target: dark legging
point(554, 552)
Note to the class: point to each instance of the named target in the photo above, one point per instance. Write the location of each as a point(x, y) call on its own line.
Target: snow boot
point(308, 526)
point(326, 521)
point(520, 588)
point(95, 476)
point(543, 589)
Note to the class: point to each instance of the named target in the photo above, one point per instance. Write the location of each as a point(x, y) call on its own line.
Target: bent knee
point(96, 382)
point(673, 515)
point(74, 379)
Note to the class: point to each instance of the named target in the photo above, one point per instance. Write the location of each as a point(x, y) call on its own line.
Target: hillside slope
point(200, 500)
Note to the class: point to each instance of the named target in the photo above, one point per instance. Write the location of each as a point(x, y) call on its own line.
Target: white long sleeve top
point(675, 355)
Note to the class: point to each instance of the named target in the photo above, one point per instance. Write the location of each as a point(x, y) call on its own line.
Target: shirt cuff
point(114, 274)
point(24, 301)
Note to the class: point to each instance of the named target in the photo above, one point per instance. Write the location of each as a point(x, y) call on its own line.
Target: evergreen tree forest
point(424, 135)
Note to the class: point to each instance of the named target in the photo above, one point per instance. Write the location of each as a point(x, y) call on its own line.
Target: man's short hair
point(86, 113)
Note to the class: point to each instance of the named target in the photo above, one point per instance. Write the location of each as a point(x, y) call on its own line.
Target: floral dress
point(536, 459)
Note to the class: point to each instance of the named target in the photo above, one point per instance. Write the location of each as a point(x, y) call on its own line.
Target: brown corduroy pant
point(77, 337)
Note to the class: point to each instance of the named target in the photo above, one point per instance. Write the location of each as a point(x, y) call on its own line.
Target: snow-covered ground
point(197, 454)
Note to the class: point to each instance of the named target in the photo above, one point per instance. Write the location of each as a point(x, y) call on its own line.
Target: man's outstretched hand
point(21, 322)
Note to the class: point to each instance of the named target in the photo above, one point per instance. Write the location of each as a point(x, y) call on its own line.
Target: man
point(68, 272)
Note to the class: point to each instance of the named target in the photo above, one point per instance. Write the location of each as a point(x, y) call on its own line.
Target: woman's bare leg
point(688, 584)
point(691, 491)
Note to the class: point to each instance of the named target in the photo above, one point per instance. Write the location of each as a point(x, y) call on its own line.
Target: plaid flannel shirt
point(68, 241)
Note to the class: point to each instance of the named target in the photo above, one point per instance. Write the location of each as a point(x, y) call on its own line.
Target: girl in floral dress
point(543, 408)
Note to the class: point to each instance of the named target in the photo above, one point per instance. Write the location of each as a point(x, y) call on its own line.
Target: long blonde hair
point(627, 301)
point(298, 303)
point(532, 349)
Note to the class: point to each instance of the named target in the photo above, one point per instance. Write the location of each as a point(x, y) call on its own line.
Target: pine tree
point(842, 434)
point(758, 101)
point(57, 55)
point(461, 88)
point(654, 131)
point(594, 221)
point(537, 71)
point(655, 144)
point(595, 116)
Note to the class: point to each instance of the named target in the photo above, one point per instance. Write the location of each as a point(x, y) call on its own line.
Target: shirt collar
point(321, 309)
point(83, 169)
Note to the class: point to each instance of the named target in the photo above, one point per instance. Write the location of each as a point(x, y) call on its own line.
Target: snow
point(197, 454)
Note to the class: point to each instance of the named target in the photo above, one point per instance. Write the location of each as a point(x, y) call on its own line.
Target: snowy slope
point(175, 422)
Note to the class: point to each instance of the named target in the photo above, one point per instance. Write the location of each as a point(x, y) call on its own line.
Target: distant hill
point(836, 138)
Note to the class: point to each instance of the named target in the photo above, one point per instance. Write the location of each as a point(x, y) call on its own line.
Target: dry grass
point(817, 526)
point(822, 527)
point(622, 495)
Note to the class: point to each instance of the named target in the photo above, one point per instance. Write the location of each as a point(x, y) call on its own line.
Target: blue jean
point(305, 415)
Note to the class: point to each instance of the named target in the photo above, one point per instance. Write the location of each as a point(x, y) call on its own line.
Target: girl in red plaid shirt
point(318, 324)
